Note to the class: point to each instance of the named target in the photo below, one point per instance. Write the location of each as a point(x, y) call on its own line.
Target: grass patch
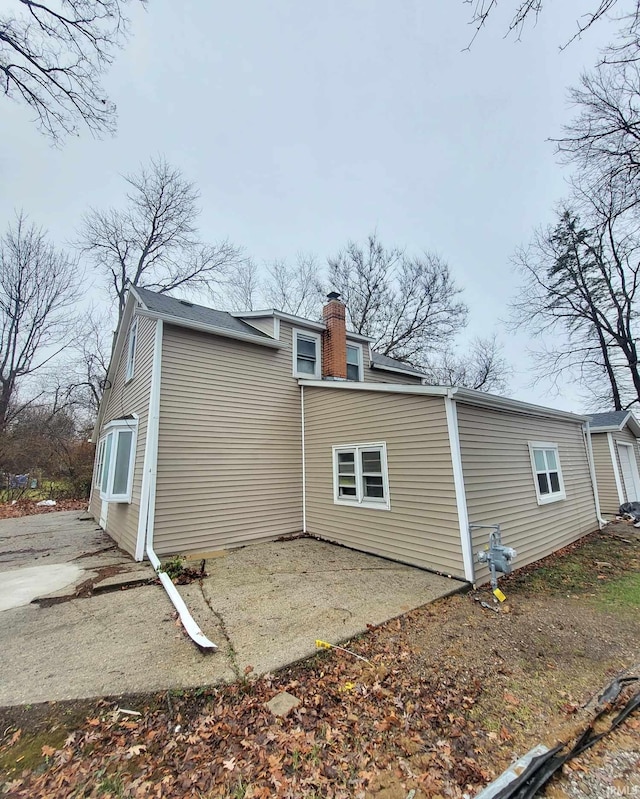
point(599, 565)
point(623, 592)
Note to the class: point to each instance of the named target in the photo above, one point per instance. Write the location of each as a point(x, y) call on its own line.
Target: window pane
point(106, 463)
point(543, 485)
point(346, 458)
point(347, 480)
point(538, 455)
point(373, 487)
point(306, 367)
point(307, 347)
point(551, 459)
point(347, 491)
point(555, 482)
point(353, 355)
point(353, 372)
point(371, 461)
point(123, 453)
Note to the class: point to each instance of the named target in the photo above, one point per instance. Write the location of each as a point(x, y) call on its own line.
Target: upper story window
point(306, 354)
point(354, 362)
point(360, 476)
point(115, 460)
point(131, 350)
point(545, 462)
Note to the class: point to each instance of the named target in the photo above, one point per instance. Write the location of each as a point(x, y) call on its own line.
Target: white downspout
point(458, 482)
point(592, 471)
point(151, 472)
point(304, 468)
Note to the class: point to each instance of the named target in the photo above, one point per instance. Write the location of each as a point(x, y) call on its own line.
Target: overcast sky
point(305, 125)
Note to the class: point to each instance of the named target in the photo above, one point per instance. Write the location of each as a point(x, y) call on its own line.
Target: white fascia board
point(216, 331)
point(480, 399)
point(123, 327)
point(391, 388)
point(398, 369)
point(295, 320)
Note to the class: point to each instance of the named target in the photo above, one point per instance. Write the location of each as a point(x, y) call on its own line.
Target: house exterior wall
point(625, 436)
point(499, 482)
point(229, 452)
point(128, 398)
point(605, 477)
point(381, 376)
point(421, 528)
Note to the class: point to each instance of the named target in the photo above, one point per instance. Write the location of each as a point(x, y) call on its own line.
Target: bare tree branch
point(38, 286)
point(153, 242)
point(52, 57)
point(483, 367)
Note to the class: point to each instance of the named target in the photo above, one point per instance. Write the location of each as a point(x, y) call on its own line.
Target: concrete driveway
point(82, 620)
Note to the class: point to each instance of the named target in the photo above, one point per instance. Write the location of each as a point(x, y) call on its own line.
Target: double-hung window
point(547, 474)
point(354, 362)
point(115, 459)
point(306, 354)
point(360, 476)
point(131, 351)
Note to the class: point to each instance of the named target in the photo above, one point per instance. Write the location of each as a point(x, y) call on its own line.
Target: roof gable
point(611, 421)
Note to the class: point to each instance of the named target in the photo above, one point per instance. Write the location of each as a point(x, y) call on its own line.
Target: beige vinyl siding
point(605, 477)
point(421, 528)
point(499, 482)
point(230, 453)
point(265, 324)
point(124, 399)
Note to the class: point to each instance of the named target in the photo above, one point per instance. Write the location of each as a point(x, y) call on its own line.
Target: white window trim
point(360, 501)
point(116, 427)
point(131, 351)
point(295, 332)
point(558, 496)
point(360, 359)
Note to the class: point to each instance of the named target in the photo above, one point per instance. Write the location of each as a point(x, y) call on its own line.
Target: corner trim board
point(458, 481)
point(616, 470)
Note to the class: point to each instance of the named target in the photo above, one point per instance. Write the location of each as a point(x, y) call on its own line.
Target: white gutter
point(616, 470)
point(392, 388)
point(304, 468)
point(148, 499)
point(592, 472)
point(458, 482)
point(179, 321)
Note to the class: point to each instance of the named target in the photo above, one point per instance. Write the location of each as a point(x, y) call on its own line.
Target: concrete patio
point(106, 631)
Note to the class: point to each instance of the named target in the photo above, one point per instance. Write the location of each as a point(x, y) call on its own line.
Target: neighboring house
point(614, 437)
point(217, 430)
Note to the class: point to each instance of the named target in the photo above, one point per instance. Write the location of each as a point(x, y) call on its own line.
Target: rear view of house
point(616, 456)
point(217, 430)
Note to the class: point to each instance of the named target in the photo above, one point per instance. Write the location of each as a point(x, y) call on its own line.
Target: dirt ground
point(449, 695)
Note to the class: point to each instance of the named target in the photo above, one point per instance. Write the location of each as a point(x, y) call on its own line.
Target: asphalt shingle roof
point(182, 309)
point(608, 419)
point(384, 360)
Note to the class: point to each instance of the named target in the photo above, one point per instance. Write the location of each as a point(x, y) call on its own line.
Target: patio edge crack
point(231, 652)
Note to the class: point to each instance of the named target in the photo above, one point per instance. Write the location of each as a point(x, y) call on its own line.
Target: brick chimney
point(334, 339)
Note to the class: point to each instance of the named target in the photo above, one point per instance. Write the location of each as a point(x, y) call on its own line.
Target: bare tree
point(53, 56)
point(296, 289)
point(410, 306)
point(153, 241)
point(483, 367)
point(581, 280)
point(241, 287)
point(527, 12)
point(38, 287)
